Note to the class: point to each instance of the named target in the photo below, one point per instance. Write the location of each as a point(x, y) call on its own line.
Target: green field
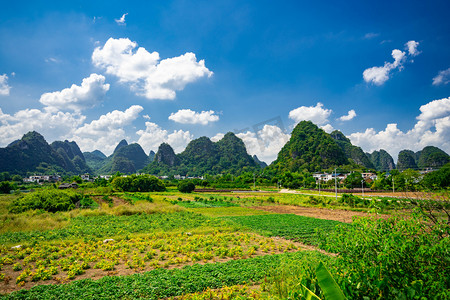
point(212, 246)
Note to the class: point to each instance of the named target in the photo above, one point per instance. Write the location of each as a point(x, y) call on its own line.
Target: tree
point(354, 180)
point(5, 187)
point(186, 187)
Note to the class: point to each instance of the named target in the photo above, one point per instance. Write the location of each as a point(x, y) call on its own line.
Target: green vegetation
point(394, 258)
point(50, 200)
point(138, 183)
point(309, 148)
point(115, 226)
point(202, 156)
point(186, 187)
point(162, 283)
point(356, 154)
point(288, 226)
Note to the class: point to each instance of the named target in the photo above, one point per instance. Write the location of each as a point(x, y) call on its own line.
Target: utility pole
point(335, 183)
point(362, 186)
point(254, 182)
point(319, 186)
point(393, 188)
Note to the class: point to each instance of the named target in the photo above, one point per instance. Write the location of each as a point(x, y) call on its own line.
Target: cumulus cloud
point(379, 75)
point(432, 128)
point(121, 21)
point(217, 137)
point(104, 133)
point(187, 116)
point(265, 143)
point(4, 87)
point(145, 72)
point(50, 124)
point(443, 77)
point(351, 114)
point(77, 98)
point(411, 46)
point(154, 135)
point(327, 128)
point(317, 114)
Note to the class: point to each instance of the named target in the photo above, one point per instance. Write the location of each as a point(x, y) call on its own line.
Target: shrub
point(49, 200)
point(186, 187)
point(138, 183)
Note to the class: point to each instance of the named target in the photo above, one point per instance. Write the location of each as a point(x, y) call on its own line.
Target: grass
point(229, 211)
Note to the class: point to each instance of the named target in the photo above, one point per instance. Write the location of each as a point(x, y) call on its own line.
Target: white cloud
point(266, 143)
point(327, 128)
point(217, 137)
point(317, 114)
point(432, 128)
point(77, 98)
point(379, 75)
point(148, 76)
point(121, 21)
point(371, 35)
point(53, 126)
point(154, 135)
point(4, 87)
point(411, 46)
point(443, 77)
point(187, 116)
point(351, 114)
point(104, 133)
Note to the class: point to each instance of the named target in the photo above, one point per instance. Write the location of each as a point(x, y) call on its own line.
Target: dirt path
point(315, 212)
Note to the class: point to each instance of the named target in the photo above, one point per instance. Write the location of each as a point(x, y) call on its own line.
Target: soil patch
point(345, 216)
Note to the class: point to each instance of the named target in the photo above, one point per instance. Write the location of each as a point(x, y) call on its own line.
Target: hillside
point(126, 158)
point(202, 156)
point(355, 153)
point(309, 148)
point(381, 160)
point(32, 153)
point(428, 157)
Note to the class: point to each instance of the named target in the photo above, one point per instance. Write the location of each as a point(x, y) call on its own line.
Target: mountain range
point(309, 149)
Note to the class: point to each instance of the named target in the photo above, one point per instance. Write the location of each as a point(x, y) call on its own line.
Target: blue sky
point(171, 71)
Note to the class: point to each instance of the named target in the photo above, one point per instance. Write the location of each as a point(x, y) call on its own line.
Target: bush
point(140, 183)
point(391, 259)
point(186, 187)
point(48, 200)
point(5, 187)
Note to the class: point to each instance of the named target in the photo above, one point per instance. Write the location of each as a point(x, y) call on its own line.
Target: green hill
point(202, 156)
point(33, 154)
point(356, 154)
point(309, 148)
point(406, 160)
point(381, 160)
point(428, 157)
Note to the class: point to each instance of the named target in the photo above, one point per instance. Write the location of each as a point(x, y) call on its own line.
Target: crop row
point(163, 283)
point(288, 226)
point(108, 226)
point(155, 250)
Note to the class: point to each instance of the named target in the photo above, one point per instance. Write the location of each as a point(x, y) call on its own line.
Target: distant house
point(42, 178)
point(64, 186)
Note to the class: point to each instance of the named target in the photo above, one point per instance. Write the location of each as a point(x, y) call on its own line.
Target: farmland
point(212, 246)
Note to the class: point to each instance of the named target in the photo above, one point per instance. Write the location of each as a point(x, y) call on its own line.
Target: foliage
point(437, 179)
point(6, 187)
point(309, 148)
point(32, 153)
point(394, 258)
point(353, 180)
point(356, 154)
point(138, 183)
point(382, 160)
point(186, 186)
point(203, 202)
point(107, 225)
point(289, 226)
point(202, 156)
point(163, 283)
point(51, 200)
